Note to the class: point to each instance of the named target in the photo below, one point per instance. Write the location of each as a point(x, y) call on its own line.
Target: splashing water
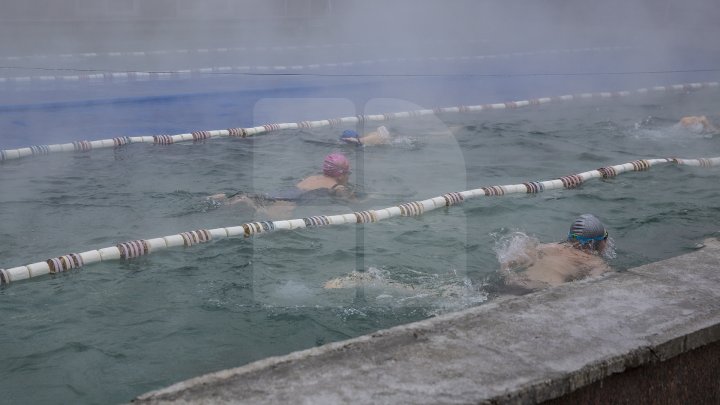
point(515, 247)
point(407, 142)
point(434, 292)
point(609, 252)
point(653, 128)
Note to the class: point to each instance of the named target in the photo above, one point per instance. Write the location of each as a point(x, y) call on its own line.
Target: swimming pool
point(110, 331)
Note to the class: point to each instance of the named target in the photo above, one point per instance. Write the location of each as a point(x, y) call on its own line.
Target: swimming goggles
point(583, 240)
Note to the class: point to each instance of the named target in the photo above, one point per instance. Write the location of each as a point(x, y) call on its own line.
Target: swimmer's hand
point(343, 192)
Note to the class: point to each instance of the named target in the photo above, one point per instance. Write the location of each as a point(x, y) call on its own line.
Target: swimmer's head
point(350, 136)
point(336, 165)
point(588, 231)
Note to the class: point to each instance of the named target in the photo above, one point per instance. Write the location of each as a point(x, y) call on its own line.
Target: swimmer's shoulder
point(562, 252)
point(593, 263)
point(568, 250)
point(315, 182)
point(554, 248)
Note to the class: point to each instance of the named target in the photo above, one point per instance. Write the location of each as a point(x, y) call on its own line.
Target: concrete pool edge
point(511, 350)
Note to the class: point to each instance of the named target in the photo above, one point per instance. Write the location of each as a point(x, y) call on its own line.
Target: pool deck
point(527, 349)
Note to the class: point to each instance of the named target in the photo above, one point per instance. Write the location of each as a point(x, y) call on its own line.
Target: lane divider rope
point(184, 73)
point(141, 247)
point(203, 51)
point(86, 146)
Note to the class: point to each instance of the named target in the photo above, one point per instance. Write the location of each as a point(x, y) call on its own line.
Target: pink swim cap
point(336, 165)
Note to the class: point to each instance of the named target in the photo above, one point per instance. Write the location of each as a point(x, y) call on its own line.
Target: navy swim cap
point(349, 133)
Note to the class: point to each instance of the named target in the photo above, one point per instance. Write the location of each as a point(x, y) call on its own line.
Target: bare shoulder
point(553, 248)
point(563, 250)
point(315, 182)
point(592, 263)
point(569, 262)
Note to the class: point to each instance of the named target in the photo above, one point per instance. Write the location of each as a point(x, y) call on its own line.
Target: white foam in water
point(458, 294)
point(372, 277)
point(609, 252)
point(408, 142)
point(352, 313)
point(292, 293)
point(696, 128)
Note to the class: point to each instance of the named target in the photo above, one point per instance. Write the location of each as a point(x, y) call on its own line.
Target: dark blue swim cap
point(349, 133)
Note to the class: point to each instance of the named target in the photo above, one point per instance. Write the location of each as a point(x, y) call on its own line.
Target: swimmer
point(545, 265)
point(332, 182)
point(381, 136)
point(378, 279)
point(698, 123)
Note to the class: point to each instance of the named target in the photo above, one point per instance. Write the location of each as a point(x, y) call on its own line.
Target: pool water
point(113, 330)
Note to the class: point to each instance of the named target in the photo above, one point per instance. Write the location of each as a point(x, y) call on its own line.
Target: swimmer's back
point(555, 264)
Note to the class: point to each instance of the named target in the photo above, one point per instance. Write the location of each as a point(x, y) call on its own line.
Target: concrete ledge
point(525, 349)
point(690, 378)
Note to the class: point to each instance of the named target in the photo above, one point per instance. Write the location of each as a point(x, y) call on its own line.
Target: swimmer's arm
point(373, 138)
point(238, 198)
point(241, 199)
point(379, 137)
point(218, 197)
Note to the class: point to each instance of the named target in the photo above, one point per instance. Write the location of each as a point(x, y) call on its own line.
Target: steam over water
point(110, 331)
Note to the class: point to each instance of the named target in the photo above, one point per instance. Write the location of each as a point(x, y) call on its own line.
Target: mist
point(429, 52)
point(86, 25)
point(106, 113)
